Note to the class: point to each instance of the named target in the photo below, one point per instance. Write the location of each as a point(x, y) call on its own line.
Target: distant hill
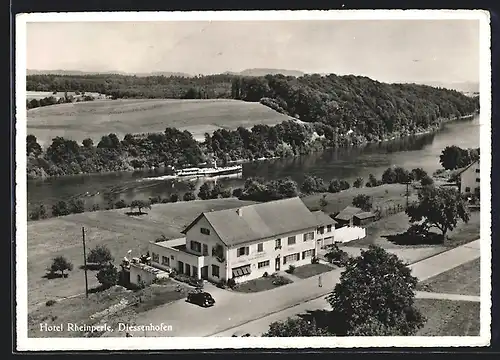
point(465, 87)
point(81, 73)
point(264, 72)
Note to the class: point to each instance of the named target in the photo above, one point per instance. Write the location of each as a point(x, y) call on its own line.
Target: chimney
point(239, 212)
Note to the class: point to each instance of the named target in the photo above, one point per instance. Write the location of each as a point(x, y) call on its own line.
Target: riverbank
point(315, 143)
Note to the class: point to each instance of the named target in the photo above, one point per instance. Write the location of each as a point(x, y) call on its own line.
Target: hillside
point(78, 121)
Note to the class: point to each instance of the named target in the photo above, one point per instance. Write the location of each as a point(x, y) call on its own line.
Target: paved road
point(233, 310)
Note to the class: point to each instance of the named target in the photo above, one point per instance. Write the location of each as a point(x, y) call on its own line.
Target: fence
point(384, 211)
point(349, 233)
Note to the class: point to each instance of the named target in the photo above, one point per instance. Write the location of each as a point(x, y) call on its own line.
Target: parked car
point(201, 298)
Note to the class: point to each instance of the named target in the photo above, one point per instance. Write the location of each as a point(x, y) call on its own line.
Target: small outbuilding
point(345, 217)
point(363, 218)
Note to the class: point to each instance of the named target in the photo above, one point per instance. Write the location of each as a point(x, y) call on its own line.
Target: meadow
point(78, 121)
point(49, 238)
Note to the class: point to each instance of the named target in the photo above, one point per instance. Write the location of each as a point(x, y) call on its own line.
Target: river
point(347, 163)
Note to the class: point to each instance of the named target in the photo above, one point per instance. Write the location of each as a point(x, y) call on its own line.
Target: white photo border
point(176, 343)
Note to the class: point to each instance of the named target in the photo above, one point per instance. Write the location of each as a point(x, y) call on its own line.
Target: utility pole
point(407, 193)
point(85, 263)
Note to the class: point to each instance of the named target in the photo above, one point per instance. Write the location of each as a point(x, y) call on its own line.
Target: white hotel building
point(246, 242)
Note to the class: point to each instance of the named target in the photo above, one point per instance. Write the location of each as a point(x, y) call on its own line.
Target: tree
point(312, 184)
point(426, 180)
point(88, 143)
point(334, 186)
point(439, 207)
point(389, 176)
point(363, 202)
point(418, 174)
point(60, 209)
point(61, 264)
point(108, 275)
point(372, 181)
point(226, 193)
point(32, 146)
point(189, 196)
point(376, 293)
point(205, 192)
point(139, 205)
point(358, 183)
point(76, 206)
point(40, 212)
point(294, 327)
point(454, 157)
point(100, 255)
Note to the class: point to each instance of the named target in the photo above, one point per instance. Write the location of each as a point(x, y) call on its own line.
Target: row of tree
point(51, 100)
point(171, 148)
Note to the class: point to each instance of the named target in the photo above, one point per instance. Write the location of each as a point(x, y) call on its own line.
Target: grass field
point(63, 236)
point(96, 118)
point(464, 279)
point(449, 318)
point(377, 231)
point(382, 196)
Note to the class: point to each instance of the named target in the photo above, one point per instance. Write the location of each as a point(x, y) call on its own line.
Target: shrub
point(164, 201)
point(226, 193)
point(231, 283)
point(174, 198)
point(314, 260)
point(188, 279)
point(358, 182)
point(291, 269)
point(108, 276)
point(237, 192)
point(222, 284)
point(280, 280)
point(266, 274)
point(189, 196)
point(50, 302)
point(120, 204)
point(337, 256)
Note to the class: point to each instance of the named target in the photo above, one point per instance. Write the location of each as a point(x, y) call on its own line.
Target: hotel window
point(196, 246)
point(215, 270)
point(263, 264)
point(245, 250)
point(260, 247)
point(291, 240)
point(172, 257)
point(205, 231)
point(156, 258)
point(205, 249)
point(291, 258)
point(477, 180)
point(467, 189)
point(165, 260)
point(329, 228)
point(277, 244)
point(477, 171)
point(308, 253)
point(321, 230)
point(309, 236)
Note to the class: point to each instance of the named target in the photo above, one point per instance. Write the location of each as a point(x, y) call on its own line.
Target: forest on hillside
point(335, 111)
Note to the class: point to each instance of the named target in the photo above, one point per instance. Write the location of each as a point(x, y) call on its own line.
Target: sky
point(385, 50)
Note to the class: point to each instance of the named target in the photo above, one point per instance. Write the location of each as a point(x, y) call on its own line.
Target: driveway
point(232, 309)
